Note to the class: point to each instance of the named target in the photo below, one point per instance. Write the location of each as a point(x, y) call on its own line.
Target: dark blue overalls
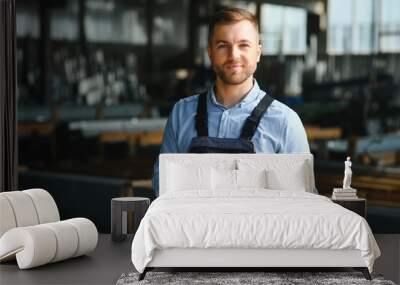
point(205, 144)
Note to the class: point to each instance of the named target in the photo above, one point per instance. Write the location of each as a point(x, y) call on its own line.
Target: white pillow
point(183, 177)
point(224, 179)
point(282, 174)
point(251, 178)
point(228, 179)
point(293, 178)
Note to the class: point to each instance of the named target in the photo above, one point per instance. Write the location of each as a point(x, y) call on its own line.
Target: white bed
point(247, 210)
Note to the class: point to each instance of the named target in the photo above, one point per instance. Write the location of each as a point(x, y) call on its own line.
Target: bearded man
point(234, 115)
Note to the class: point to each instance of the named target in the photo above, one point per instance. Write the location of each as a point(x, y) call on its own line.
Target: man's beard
point(234, 79)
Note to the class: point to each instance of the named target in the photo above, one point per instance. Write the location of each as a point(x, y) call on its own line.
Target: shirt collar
point(250, 97)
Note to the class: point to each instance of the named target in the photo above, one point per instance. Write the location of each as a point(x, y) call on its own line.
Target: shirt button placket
point(224, 120)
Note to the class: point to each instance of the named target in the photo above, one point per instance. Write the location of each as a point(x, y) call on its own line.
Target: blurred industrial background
point(98, 78)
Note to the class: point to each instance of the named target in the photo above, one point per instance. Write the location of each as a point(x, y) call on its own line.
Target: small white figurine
point(347, 174)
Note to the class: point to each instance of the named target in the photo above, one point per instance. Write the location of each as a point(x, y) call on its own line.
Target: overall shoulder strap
point(202, 116)
point(252, 121)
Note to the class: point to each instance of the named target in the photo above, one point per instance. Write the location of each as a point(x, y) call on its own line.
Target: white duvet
point(250, 219)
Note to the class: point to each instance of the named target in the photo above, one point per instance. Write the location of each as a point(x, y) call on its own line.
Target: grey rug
point(228, 278)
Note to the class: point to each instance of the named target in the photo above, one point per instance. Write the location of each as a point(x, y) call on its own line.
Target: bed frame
point(245, 259)
point(242, 259)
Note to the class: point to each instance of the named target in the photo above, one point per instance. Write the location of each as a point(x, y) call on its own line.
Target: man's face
point(234, 51)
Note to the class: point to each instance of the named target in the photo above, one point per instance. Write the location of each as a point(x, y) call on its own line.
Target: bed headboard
point(285, 163)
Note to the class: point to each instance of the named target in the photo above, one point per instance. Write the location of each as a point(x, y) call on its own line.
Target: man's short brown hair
point(228, 16)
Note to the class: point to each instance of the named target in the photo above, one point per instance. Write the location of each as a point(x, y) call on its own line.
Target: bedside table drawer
point(356, 205)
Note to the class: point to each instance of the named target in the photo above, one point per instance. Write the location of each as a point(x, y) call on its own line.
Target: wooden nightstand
point(358, 205)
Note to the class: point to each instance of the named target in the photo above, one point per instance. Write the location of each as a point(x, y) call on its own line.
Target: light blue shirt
point(280, 129)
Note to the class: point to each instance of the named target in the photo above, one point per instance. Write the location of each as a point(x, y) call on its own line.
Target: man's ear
point(259, 52)
point(209, 52)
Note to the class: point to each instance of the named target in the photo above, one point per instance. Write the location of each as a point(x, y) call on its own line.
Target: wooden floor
point(111, 259)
